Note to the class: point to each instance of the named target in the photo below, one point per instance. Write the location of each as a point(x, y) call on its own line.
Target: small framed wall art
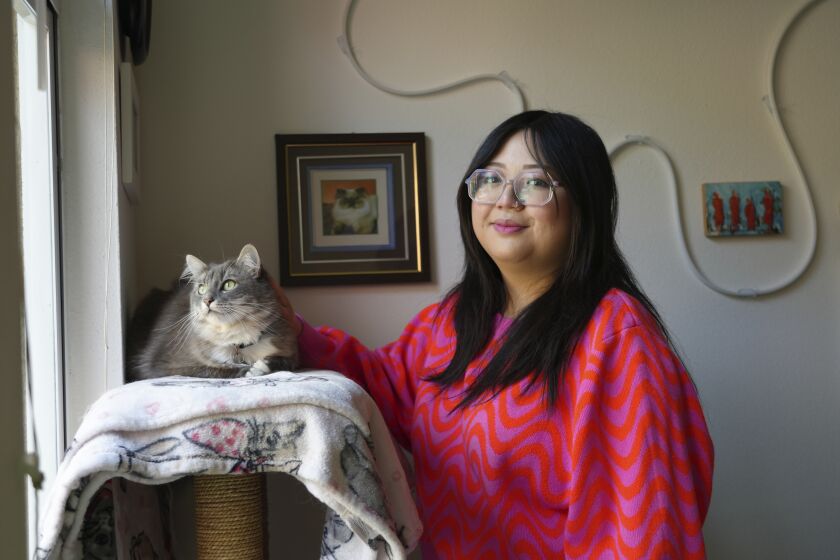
point(747, 208)
point(352, 208)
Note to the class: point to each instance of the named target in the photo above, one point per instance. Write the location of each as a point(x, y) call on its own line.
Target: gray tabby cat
point(222, 321)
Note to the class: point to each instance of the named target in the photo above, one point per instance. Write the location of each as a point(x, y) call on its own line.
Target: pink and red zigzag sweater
point(621, 467)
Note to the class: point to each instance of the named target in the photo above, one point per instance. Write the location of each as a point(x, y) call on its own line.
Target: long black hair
point(540, 341)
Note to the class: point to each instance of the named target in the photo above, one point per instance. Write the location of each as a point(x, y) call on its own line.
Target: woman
point(546, 411)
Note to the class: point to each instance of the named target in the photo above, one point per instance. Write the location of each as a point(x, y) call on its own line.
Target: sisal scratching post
point(230, 517)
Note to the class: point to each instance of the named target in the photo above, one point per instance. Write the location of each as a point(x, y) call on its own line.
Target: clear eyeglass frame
point(517, 183)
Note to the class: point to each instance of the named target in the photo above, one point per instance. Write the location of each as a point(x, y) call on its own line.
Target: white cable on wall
point(692, 265)
point(769, 99)
point(347, 49)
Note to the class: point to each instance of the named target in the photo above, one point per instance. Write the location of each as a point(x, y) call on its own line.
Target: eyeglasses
point(530, 188)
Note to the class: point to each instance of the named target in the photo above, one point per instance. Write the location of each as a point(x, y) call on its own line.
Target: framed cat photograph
point(352, 208)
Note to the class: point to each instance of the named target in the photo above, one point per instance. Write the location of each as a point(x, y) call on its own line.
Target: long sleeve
point(389, 373)
point(619, 467)
point(642, 458)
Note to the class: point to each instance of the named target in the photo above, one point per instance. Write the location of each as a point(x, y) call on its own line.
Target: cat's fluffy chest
point(236, 342)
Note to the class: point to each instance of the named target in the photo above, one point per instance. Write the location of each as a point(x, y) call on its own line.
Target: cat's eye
point(202, 289)
point(229, 285)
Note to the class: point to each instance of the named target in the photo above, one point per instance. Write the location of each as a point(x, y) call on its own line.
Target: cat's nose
point(208, 301)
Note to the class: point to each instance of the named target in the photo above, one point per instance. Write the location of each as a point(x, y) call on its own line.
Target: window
point(75, 218)
point(40, 213)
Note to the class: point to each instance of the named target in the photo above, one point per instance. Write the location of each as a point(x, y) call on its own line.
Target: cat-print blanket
point(317, 426)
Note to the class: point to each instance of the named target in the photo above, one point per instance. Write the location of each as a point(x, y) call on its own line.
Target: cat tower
point(318, 427)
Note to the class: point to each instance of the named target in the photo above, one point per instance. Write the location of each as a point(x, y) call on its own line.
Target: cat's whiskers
point(239, 314)
point(183, 334)
point(182, 328)
point(247, 309)
point(260, 313)
point(238, 319)
point(256, 305)
point(175, 324)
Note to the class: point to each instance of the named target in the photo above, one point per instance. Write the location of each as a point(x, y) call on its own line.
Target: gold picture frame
point(352, 208)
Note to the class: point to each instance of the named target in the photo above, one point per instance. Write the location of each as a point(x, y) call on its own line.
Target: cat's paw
point(259, 368)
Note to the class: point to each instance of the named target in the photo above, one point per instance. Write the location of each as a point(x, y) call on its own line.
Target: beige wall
point(222, 80)
point(12, 481)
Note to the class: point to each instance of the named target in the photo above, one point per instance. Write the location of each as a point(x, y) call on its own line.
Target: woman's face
point(525, 241)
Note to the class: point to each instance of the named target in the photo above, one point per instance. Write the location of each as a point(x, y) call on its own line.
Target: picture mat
point(403, 253)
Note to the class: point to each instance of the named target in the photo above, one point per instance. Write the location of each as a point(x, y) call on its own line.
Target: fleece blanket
point(316, 426)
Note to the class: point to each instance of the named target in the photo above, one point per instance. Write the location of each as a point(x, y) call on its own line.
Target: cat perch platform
point(318, 427)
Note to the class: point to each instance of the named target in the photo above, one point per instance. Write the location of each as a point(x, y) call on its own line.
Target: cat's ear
point(249, 259)
point(194, 268)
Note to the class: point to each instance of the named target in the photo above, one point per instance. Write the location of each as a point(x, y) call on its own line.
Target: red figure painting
point(717, 206)
point(734, 211)
point(749, 213)
point(768, 208)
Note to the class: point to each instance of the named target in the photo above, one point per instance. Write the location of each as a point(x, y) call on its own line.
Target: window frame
point(40, 231)
point(93, 219)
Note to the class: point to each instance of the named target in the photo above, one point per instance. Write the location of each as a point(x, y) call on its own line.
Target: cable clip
point(637, 138)
point(508, 81)
point(748, 292)
point(30, 468)
point(344, 45)
point(769, 104)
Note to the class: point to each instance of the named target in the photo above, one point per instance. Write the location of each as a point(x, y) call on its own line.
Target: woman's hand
point(286, 307)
